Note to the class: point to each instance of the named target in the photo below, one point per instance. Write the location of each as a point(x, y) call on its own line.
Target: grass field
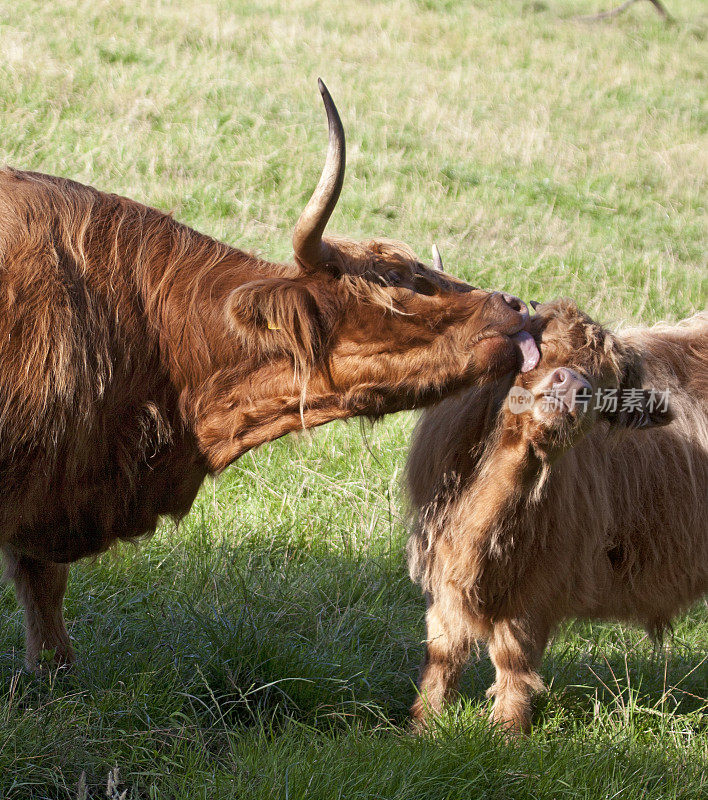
point(268, 648)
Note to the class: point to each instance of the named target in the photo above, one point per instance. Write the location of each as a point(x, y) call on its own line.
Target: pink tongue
point(529, 352)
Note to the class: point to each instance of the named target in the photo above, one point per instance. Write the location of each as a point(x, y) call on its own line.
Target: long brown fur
point(138, 355)
point(526, 519)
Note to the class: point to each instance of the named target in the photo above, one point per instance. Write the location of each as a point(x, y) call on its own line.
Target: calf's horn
point(310, 250)
point(437, 260)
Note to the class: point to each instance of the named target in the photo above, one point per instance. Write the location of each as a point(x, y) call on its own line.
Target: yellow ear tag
point(272, 327)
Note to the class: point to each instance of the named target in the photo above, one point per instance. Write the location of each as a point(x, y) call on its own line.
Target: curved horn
point(309, 248)
point(437, 260)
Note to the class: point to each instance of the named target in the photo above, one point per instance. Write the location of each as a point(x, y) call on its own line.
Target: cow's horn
point(310, 250)
point(437, 260)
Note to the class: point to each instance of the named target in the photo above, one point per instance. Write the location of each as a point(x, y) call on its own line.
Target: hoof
point(49, 659)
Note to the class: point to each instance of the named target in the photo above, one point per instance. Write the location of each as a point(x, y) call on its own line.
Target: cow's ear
point(640, 408)
point(278, 312)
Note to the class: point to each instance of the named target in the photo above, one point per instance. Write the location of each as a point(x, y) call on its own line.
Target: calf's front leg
point(451, 631)
point(516, 649)
point(40, 587)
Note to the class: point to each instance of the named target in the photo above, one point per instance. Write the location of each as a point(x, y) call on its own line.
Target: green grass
point(269, 646)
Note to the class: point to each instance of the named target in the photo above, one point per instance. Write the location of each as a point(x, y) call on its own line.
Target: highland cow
point(137, 356)
point(591, 502)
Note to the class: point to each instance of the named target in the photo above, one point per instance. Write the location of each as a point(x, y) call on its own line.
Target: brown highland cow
point(137, 356)
point(525, 519)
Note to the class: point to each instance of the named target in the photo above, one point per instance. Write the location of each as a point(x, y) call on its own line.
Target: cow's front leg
point(40, 587)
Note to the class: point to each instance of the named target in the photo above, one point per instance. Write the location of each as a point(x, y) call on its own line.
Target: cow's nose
point(516, 305)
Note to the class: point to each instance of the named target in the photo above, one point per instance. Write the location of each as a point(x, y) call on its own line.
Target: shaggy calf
point(138, 355)
point(524, 519)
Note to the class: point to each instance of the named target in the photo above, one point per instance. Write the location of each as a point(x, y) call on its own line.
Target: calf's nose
point(568, 380)
point(560, 378)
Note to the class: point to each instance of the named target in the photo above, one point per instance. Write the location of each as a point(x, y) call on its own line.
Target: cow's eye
point(394, 278)
point(422, 285)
